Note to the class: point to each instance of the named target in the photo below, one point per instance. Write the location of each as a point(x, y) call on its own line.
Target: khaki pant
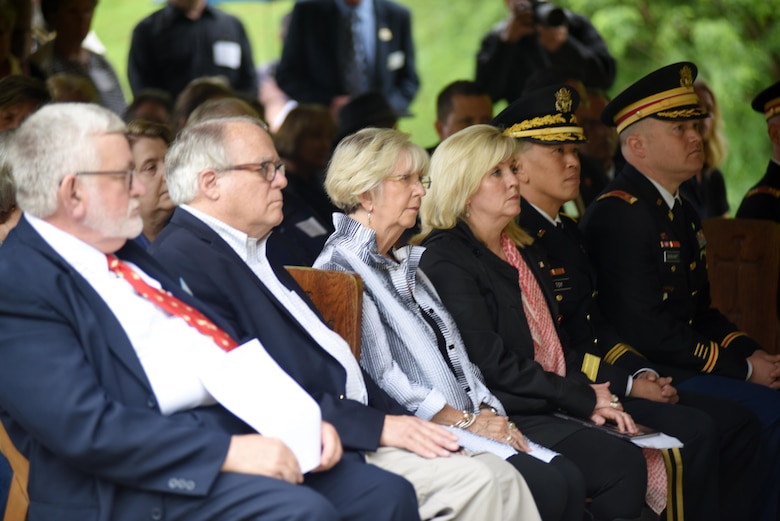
point(476, 487)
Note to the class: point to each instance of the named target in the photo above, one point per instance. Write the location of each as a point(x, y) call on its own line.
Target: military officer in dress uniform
point(648, 250)
point(591, 343)
point(763, 200)
point(720, 438)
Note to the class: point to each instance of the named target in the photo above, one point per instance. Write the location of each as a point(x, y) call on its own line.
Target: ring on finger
point(509, 439)
point(511, 425)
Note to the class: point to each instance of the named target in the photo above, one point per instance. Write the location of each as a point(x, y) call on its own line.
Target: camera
point(548, 14)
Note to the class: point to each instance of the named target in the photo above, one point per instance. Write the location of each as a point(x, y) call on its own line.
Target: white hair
point(198, 147)
point(53, 142)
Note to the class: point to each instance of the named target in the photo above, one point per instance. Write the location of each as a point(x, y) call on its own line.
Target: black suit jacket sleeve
point(216, 275)
point(489, 314)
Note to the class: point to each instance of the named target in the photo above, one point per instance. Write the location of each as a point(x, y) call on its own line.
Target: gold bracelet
point(465, 422)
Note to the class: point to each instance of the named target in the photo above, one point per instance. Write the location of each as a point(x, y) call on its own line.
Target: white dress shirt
point(252, 251)
point(172, 353)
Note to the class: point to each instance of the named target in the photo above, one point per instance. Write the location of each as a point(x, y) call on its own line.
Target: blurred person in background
point(706, 191)
point(763, 200)
point(152, 105)
point(535, 36)
point(20, 96)
point(149, 141)
point(71, 19)
point(188, 39)
point(461, 104)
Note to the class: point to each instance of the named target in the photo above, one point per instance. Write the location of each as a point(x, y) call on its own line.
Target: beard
point(127, 226)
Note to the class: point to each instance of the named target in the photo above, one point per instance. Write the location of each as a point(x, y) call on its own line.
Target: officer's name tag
point(227, 54)
point(672, 256)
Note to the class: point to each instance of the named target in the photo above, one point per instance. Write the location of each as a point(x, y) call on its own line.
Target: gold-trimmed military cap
point(768, 101)
point(665, 94)
point(544, 116)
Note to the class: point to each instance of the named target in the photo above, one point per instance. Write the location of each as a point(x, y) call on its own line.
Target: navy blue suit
point(217, 275)
point(311, 69)
point(76, 402)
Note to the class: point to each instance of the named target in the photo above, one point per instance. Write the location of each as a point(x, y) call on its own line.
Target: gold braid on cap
point(772, 108)
point(677, 114)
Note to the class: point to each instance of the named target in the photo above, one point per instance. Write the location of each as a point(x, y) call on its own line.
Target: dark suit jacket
point(482, 293)
point(76, 401)
point(311, 69)
point(763, 200)
point(217, 275)
point(652, 280)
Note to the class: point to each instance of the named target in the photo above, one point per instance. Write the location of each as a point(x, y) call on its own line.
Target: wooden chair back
point(338, 295)
point(18, 500)
point(743, 262)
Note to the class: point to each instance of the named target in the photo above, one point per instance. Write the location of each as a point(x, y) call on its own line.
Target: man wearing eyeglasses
point(102, 354)
point(227, 179)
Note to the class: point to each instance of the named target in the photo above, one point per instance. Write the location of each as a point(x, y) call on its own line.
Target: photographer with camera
point(538, 35)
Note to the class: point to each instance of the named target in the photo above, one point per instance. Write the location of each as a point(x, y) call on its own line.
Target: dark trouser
point(765, 404)
point(352, 490)
point(693, 479)
point(615, 473)
point(739, 439)
point(558, 487)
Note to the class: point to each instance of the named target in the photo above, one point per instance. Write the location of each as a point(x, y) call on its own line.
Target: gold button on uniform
point(558, 297)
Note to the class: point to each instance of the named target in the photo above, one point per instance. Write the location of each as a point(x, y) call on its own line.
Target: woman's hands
point(499, 428)
point(609, 408)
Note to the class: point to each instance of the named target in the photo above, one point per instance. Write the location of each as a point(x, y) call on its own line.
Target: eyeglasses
point(411, 179)
point(266, 169)
point(128, 173)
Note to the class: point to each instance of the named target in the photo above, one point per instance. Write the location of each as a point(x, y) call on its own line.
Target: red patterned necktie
point(171, 304)
point(548, 352)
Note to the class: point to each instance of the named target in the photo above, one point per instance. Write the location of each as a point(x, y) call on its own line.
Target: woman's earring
point(467, 212)
point(369, 219)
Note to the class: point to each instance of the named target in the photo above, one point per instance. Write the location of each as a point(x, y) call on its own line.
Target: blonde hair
point(716, 147)
point(363, 159)
point(457, 168)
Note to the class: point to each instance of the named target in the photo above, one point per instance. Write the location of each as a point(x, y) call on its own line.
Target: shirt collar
point(84, 257)
point(251, 250)
point(363, 241)
point(555, 221)
point(364, 10)
point(668, 197)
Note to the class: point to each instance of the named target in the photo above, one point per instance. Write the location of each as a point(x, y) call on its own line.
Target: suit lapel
point(95, 307)
point(205, 233)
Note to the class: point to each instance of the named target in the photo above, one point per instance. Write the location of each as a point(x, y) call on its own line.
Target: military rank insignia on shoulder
point(569, 217)
point(766, 190)
point(620, 194)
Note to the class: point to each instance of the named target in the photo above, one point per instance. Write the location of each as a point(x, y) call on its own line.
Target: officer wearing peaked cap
point(762, 201)
point(718, 435)
point(545, 116)
point(648, 250)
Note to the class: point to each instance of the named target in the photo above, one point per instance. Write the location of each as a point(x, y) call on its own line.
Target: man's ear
point(439, 129)
point(635, 143)
point(208, 184)
point(71, 197)
point(522, 172)
point(773, 129)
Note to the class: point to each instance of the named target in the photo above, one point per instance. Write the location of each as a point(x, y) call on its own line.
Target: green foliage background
point(735, 43)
